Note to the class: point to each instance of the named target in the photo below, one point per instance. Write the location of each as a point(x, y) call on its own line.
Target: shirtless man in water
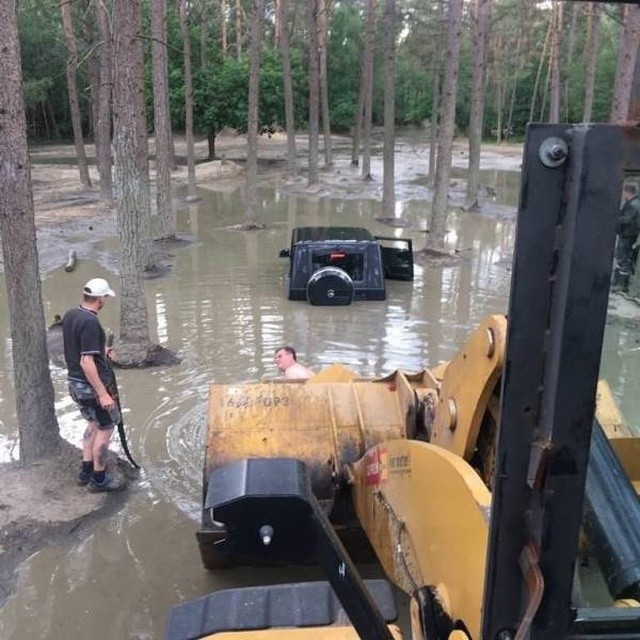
point(288, 365)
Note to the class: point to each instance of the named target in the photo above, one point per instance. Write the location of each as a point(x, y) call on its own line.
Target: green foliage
point(44, 58)
point(36, 91)
point(344, 65)
point(221, 87)
point(221, 92)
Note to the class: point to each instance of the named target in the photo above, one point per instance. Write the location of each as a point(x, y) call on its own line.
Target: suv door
point(397, 261)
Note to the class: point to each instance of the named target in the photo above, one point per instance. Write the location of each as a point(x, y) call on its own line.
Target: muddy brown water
point(223, 310)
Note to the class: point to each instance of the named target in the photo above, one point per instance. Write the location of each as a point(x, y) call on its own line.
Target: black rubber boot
point(624, 283)
point(615, 281)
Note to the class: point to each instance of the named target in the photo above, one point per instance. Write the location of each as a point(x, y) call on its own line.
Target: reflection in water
point(223, 310)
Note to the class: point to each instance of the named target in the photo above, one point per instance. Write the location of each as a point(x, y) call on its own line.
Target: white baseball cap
point(97, 287)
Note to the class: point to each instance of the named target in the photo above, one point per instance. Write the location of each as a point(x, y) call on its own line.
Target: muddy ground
point(41, 505)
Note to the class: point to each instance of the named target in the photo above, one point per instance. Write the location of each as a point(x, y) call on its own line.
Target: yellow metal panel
point(334, 373)
point(305, 633)
point(426, 513)
point(608, 412)
point(468, 383)
point(324, 424)
point(628, 452)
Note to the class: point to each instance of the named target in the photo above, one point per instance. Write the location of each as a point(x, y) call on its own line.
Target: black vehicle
point(335, 265)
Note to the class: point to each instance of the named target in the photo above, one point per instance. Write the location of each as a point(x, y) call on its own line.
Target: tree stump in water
point(71, 261)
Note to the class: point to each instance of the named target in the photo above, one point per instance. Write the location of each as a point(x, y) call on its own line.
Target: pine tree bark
point(536, 84)
point(357, 126)
point(167, 223)
point(433, 125)
point(556, 36)
point(132, 180)
point(314, 89)
point(238, 17)
point(388, 159)
point(278, 24)
point(591, 58)
point(223, 25)
point(74, 105)
point(324, 12)
point(251, 189)
point(436, 228)
point(37, 424)
point(627, 54)
point(188, 97)
point(481, 27)
point(93, 63)
point(203, 34)
point(367, 80)
point(567, 61)
point(289, 113)
point(512, 101)
point(103, 128)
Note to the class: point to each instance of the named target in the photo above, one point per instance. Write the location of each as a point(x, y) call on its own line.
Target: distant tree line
point(517, 67)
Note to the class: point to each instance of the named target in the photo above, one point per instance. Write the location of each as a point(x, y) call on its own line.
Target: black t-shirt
point(83, 335)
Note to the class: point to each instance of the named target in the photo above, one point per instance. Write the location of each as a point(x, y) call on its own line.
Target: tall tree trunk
point(103, 129)
point(367, 81)
point(314, 89)
point(132, 179)
point(251, 215)
point(203, 34)
point(188, 98)
point(94, 70)
point(37, 424)
point(436, 229)
point(536, 84)
point(211, 142)
point(568, 60)
point(324, 12)
point(289, 113)
point(54, 122)
point(627, 54)
point(481, 27)
point(357, 126)
point(74, 105)
point(279, 25)
point(167, 223)
point(556, 34)
point(499, 110)
point(591, 58)
point(545, 91)
point(433, 125)
point(388, 177)
point(238, 29)
point(512, 101)
point(45, 119)
point(223, 25)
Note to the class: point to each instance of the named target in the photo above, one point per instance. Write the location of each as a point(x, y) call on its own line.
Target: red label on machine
point(376, 470)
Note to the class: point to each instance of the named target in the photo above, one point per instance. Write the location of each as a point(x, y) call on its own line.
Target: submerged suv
point(335, 265)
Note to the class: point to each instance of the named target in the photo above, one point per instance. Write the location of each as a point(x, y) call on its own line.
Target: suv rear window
point(352, 263)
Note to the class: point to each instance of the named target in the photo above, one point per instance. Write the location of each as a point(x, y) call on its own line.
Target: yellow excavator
point(499, 491)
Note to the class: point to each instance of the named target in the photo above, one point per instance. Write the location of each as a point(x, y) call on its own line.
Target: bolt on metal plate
point(553, 152)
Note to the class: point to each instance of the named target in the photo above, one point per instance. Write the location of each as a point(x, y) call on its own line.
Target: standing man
point(91, 384)
point(288, 364)
point(627, 229)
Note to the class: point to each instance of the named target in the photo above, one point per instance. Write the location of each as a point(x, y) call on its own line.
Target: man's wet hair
point(631, 188)
point(290, 350)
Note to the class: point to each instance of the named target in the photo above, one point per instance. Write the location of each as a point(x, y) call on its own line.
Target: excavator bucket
point(328, 422)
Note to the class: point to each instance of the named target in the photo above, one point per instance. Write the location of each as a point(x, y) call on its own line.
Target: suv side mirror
point(284, 253)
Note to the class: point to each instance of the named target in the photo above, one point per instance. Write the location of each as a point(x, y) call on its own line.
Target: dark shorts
point(84, 396)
